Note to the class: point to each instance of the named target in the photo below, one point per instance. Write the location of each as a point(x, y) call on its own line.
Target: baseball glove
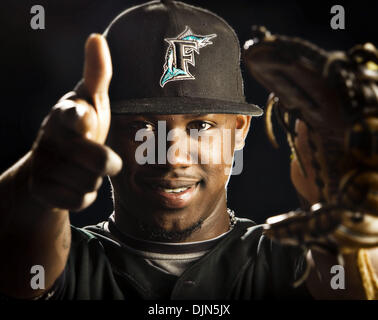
point(335, 94)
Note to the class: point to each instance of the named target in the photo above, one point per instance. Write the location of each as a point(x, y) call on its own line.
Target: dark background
point(39, 66)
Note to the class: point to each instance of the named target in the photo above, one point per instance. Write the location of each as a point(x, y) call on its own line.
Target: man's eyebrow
point(195, 115)
point(185, 115)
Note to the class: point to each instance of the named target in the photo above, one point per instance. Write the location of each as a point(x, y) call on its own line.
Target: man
point(176, 69)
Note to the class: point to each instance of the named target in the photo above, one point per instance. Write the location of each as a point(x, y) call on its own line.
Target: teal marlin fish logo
point(180, 53)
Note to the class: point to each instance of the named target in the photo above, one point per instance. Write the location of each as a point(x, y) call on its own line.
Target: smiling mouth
point(176, 190)
point(170, 187)
point(172, 193)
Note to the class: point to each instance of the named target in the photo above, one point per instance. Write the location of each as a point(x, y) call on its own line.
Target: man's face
point(184, 179)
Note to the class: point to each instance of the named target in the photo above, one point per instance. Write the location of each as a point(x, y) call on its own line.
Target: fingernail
point(80, 110)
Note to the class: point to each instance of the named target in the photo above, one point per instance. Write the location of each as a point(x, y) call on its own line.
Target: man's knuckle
point(92, 184)
point(101, 159)
point(95, 184)
point(83, 200)
point(76, 201)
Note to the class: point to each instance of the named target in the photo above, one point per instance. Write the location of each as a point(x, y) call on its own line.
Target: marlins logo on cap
point(180, 52)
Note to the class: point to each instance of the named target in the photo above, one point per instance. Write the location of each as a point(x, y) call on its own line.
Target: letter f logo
point(180, 53)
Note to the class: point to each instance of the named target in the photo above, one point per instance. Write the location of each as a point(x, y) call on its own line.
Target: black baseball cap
point(173, 58)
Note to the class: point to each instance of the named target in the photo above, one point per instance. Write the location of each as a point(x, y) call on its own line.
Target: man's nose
point(177, 148)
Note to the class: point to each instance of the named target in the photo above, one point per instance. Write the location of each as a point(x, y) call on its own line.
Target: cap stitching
point(114, 20)
point(180, 85)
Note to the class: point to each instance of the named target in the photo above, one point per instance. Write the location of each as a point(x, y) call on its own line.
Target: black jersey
point(243, 265)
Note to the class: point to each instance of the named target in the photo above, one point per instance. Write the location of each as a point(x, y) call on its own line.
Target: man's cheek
point(215, 175)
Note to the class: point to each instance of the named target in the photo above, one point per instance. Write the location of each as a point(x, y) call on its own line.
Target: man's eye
point(200, 125)
point(142, 126)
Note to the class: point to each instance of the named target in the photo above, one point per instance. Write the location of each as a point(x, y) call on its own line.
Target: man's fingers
point(99, 159)
point(69, 158)
point(75, 178)
point(59, 196)
point(77, 116)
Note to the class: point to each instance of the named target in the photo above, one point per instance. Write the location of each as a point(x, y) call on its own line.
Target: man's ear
point(243, 123)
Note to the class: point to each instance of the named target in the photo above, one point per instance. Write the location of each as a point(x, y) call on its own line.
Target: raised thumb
point(97, 76)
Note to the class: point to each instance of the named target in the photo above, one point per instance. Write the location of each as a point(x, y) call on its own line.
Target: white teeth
point(177, 190)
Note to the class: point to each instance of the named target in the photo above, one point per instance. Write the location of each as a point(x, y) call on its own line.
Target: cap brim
point(183, 105)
